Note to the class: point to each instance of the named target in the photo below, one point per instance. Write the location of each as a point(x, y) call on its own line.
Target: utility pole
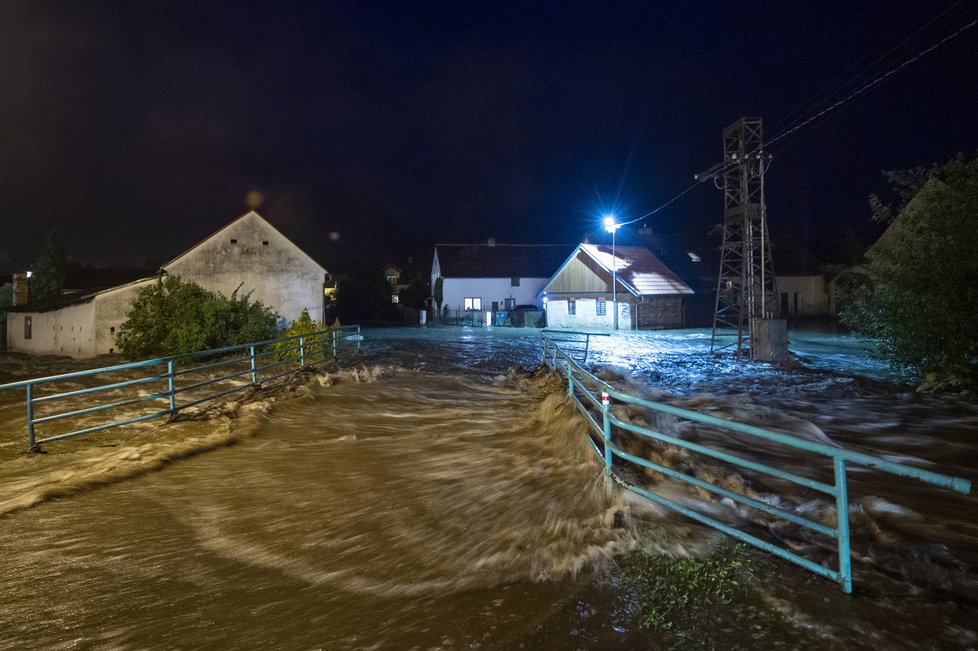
point(746, 299)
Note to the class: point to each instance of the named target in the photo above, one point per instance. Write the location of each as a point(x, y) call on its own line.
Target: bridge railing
point(144, 390)
point(594, 397)
point(572, 343)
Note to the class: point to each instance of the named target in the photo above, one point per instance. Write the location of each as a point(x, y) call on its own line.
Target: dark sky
point(139, 128)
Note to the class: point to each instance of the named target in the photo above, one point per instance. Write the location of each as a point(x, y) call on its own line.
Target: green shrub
point(172, 317)
point(304, 325)
point(922, 305)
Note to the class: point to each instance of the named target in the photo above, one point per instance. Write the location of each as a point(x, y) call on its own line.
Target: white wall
point(587, 315)
point(111, 310)
point(812, 291)
point(278, 274)
point(68, 331)
point(456, 290)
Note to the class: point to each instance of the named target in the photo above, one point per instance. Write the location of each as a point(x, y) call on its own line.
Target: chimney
point(21, 289)
point(492, 241)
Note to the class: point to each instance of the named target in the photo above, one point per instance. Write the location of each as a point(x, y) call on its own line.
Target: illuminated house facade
point(249, 253)
point(480, 278)
point(649, 296)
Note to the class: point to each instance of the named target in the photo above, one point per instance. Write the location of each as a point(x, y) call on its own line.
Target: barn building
point(248, 255)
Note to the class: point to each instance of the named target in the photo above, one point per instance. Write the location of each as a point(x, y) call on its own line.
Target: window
point(510, 303)
point(234, 240)
point(514, 281)
point(571, 308)
point(264, 242)
point(28, 325)
point(473, 303)
point(395, 298)
point(392, 279)
point(601, 307)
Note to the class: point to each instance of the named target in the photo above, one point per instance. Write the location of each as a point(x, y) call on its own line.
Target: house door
point(495, 306)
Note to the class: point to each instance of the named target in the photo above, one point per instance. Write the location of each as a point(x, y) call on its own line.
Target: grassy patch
point(710, 602)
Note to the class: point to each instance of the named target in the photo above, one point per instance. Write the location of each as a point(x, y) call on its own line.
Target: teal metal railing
point(594, 397)
point(181, 381)
point(572, 343)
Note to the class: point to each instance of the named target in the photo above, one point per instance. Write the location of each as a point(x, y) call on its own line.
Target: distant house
point(392, 274)
point(248, 255)
point(493, 277)
point(649, 295)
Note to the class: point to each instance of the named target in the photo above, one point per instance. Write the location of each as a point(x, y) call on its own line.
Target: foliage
point(439, 291)
point(6, 297)
point(172, 317)
point(682, 598)
point(365, 296)
point(304, 325)
point(922, 305)
point(414, 295)
point(49, 269)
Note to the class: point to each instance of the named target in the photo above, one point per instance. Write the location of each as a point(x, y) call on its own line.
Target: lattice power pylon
point(746, 289)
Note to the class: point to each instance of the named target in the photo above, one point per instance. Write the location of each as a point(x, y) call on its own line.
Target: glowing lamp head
point(609, 223)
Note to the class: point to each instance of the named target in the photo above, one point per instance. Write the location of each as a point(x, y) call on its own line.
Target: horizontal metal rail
point(593, 397)
point(573, 341)
point(281, 355)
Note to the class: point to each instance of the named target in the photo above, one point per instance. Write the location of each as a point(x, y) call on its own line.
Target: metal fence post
point(169, 382)
point(606, 425)
point(302, 351)
point(570, 379)
point(30, 416)
point(254, 368)
point(842, 524)
point(334, 333)
point(359, 338)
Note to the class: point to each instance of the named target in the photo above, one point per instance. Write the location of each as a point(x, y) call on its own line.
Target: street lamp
point(611, 226)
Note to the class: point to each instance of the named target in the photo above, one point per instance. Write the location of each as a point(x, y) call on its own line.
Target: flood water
point(433, 498)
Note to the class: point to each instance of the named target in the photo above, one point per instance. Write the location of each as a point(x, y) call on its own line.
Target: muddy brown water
point(432, 498)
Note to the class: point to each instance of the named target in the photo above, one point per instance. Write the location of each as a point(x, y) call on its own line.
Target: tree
point(365, 296)
point(414, 295)
point(6, 298)
point(172, 317)
point(49, 269)
point(439, 291)
point(922, 305)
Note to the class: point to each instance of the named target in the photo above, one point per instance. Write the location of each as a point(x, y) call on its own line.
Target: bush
point(922, 305)
point(172, 317)
point(304, 325)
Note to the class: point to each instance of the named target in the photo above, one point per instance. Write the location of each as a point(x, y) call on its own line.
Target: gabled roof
point(251, 214)
point(500, 260)
point(74, 298)
point(636, 268)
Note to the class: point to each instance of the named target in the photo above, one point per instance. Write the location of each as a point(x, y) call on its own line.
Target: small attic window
point(264, 242)
point(234, 240)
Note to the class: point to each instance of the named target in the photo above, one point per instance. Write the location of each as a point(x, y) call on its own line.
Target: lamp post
point(611, 226)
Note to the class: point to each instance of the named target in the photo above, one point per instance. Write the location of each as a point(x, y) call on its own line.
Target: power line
point(713, 173)
point(815, 98)
point(871, 84)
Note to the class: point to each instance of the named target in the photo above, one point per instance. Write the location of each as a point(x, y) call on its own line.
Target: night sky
point(139, 128)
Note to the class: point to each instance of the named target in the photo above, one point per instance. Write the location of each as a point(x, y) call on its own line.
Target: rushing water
point(435, 499)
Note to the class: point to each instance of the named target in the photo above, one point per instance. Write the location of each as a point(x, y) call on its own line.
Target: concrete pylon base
point(770, 343)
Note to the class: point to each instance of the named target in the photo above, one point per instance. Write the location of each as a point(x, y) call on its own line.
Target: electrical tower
point(746, 291)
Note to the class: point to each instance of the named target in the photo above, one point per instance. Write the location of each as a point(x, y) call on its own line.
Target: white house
point(493, 277)
point(249, 253)
point(649, 296)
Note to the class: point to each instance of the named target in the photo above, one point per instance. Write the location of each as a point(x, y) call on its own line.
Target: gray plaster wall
point(67, 331)
point(251, 254)
point(111, 309)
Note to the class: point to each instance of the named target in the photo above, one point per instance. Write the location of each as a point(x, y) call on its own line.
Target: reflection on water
point(434, 500)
